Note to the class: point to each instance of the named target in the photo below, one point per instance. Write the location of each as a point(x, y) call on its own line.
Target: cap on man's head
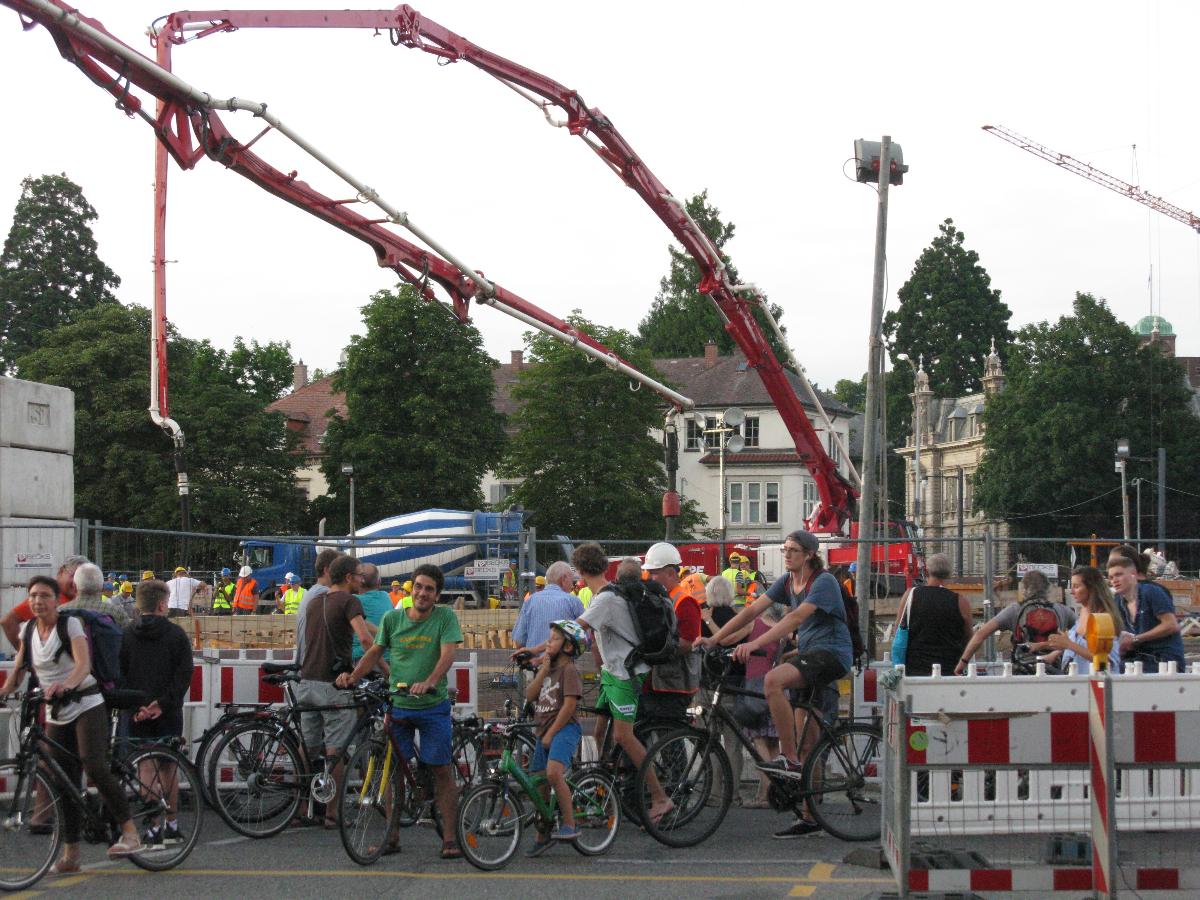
point(395, 584)
point(805, 539)
point(126, 587)
point(293, 579)
point(147, 575)
point(108, 586)
point(179, 569)
point(540, 580)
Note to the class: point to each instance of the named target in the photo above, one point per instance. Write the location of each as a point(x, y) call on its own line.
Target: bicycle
point(492, 816)
point(838, 785)
point(258, 772)
point(231, 714)
point(157, 778)
point(383, 791)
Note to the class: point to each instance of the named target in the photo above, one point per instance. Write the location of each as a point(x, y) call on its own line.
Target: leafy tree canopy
point(421, 429)
point(1073, 388)
point(681, 319)
point(852, 393)
point(582, 442)
point(949, 313)
point(240, 467)
point(50, 272)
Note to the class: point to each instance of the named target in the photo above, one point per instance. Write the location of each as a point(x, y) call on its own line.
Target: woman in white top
point(1092, 595)
point(79, 725)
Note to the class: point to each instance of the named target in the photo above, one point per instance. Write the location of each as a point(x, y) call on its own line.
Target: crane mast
point(1091, 173)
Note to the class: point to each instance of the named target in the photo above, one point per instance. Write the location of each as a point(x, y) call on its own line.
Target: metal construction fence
point(1043, 783)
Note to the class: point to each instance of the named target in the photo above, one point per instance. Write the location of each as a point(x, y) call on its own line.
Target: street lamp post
point(726, 423)
point(348, 471)
point(1122, 458)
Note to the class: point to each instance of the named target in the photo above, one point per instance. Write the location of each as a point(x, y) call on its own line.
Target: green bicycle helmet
point(575, 634)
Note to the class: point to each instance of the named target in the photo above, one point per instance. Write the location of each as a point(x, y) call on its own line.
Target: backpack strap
point(64, 640)
point(27, 640)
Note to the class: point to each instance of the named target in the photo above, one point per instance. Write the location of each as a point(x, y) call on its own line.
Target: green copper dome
point(1146, 325)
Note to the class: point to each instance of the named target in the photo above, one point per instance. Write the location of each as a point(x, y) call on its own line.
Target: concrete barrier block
point(36, 484)
point(36, 416)
point(32, 547)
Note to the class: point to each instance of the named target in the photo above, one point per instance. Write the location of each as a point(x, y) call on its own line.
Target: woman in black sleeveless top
point(940, 622)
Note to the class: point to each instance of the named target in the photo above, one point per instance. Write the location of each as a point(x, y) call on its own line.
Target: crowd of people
point(791, 641)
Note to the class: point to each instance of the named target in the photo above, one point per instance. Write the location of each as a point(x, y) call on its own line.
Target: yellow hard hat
point(126, 587)
point(179, 569)
point(408, 585)
point(147, 575)
point(395, 584)
point(540, 581)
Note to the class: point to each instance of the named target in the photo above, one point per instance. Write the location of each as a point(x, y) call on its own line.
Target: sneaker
point(540, 845)
point(152, 837)
point(781, 765)
point(170, 834)
point(563, 833)
point(799, 828)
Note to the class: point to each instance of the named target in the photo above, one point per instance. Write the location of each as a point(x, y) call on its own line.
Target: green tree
point(420, 428)
point(949, 313)
point(852, 393)
point(239, 460)
point(1073, 388)
point(50, 272)
point(947, 318)
point(681, 319)
point(582, 442)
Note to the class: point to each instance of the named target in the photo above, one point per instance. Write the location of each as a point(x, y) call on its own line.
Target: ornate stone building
point(951, 431)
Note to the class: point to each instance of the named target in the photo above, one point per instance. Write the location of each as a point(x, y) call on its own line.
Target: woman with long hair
point(1090, 590)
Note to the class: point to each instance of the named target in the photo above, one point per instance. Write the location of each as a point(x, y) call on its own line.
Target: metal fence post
point(989, 590)
point(98, 555)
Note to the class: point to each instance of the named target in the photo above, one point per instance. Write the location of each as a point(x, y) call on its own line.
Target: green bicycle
point(492, 815)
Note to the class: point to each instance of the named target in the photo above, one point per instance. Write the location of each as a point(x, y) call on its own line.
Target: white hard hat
point(289, 576)
point(660, 555)
point(245, 572)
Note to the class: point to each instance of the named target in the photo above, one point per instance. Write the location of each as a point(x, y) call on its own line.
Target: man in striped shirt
point(554, 601)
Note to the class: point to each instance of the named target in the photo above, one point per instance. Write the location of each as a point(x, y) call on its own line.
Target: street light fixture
point(726, 423)
point(1121, 460)
point(348, 471)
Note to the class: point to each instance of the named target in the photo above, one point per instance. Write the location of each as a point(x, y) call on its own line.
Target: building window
point(500, 492)
point(750, 431)
point(835, 452)
point(753, 502)
point(950, 495)
point(809, 499)
point(695, 435)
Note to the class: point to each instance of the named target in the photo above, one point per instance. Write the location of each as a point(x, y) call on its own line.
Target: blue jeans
point(562, 747)
point(435, 728)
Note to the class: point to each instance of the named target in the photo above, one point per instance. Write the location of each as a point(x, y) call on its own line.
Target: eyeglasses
point(792, 551)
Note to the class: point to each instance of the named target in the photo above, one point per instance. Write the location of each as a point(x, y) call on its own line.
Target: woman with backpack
point(76, 717)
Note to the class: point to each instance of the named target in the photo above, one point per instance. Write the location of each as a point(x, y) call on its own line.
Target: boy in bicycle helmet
point(555, 691)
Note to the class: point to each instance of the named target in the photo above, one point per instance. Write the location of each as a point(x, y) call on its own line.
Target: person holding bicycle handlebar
point(420, 642)
point(77, 719)
point(824, 652)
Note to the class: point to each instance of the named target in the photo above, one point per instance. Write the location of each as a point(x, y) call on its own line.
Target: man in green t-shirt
point(420, 642)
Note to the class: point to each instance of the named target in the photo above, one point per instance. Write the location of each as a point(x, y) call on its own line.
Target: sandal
point(656, 817)
point(757, 804)
point(331, 824)
point(304, 822)
point(126, 846)
point(391, 848)
point(451, 851)
point(63, 867)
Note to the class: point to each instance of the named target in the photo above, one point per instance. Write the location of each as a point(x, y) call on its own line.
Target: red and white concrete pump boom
point(188, 127)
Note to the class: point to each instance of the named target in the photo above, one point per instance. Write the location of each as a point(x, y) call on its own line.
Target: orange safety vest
point(397, 595)
point(245, 596)
point(679, 593)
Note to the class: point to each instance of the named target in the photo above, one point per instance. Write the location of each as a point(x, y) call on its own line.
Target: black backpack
point(654, 623)
point(103, 638)
point(856, 641)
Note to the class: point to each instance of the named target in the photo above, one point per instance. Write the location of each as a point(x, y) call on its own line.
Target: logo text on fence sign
point(485, 570)
point(1050, 570)
point(34, 561)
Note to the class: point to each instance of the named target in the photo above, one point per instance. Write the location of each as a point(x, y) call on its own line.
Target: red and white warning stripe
point(1046, 879)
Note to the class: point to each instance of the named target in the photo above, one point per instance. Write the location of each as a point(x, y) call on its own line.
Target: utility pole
point(1162, 500)
point(871, 436)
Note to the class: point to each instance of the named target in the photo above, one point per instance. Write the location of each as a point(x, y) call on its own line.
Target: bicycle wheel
point(258, 778)
point(166, 799)
point(841, 777)
point(31, 833)
point(205, 745)
point(368, 801)
point(695, 775)
point(597, 811)
point(490, 824)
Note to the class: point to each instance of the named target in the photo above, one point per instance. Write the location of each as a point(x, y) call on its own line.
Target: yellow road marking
point(820, 872)
point(67, 882)
point(802, 890)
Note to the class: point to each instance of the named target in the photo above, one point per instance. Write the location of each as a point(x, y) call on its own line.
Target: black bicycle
point(838, 786)
point(159, 781)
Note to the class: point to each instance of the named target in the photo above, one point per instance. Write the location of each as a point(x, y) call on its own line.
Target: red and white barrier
point(1002, 755)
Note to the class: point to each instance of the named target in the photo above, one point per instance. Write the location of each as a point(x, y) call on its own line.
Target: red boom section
point(407, 27)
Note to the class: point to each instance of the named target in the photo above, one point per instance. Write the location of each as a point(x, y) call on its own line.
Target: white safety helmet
point(289, 576)
point(661, 555)
point(245, 572)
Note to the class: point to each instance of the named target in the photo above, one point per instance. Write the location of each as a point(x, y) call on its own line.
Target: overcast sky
point(758, 102)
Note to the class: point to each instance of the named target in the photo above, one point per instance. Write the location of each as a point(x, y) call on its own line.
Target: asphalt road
point(741, 861)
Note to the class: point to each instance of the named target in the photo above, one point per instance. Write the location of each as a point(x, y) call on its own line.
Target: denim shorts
point(562, 748)
point(435, 728)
